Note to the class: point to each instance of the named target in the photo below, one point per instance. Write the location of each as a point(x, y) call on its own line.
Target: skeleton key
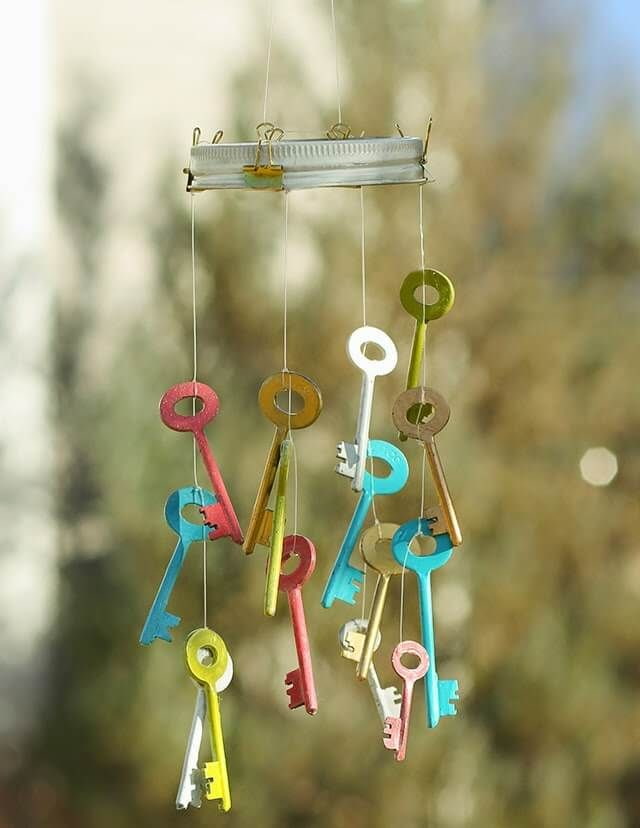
point(353, 456)
point(261, 520)
point(440, 695)
point(344, 580)
point(423, 313)
point(274, 563)
point(207, 657)
point(299, 682)
point(375, 547)
point(425, 432)
point(191, 783)
point(159, 621)
point(221, 515)
point(396, 729)
point(351, 636)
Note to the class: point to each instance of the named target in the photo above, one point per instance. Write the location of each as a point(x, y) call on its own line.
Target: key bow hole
point(207, 656)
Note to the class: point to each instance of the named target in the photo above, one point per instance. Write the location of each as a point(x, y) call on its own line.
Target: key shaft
point(261, 520)
point(303, 652)
point(442, 490)
point(274, 563)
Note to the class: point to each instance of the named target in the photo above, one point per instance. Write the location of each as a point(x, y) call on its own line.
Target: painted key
point(351, 637)
point(396, 729)
point(221, 515)
point(300, 685)
point(426, 432)
point(375, 547)
point(274, 562)
point(260, 526)
point(344, 580)
point(353, 456)
point(440, 694)
point(423, 313)
point(159, 621)
point(207, 657)
point(191, 785)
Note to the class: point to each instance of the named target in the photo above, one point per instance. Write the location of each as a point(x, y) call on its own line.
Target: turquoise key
point(159, 620)
point(344, 580)
point(440, 695)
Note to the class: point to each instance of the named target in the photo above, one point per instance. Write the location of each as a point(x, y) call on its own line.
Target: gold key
point(261, 520)
point(207, 659)
point(375, 547)
point(425, 431)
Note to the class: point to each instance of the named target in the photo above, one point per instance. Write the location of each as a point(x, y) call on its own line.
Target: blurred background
point(534, 214)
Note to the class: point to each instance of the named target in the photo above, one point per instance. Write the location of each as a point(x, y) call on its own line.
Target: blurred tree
point(536, 614)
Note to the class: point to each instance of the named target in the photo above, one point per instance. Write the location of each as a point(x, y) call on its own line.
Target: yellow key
point(260, 525)
point(375, 547)
point(207, 659)
point(274, 564)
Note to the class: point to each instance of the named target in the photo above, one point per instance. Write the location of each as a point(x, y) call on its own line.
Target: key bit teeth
point(391, 733)
point(294, 689)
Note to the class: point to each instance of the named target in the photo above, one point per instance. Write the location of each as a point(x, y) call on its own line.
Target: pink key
point(221, 515)
point(396, 729)
point(300, 686)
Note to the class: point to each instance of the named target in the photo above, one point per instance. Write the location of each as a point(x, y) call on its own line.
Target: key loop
point(398, 469)
point(376, 550)
point(372, 367)
point(179, 500)
point(306, 552)
point(421, 564)
point(290, 381)
point(429, 278)
point(205, 638)
point(422, 395)
point(410, 648)
point(189, 422)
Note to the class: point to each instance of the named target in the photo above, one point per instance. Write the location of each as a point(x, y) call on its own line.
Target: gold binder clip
point(267, 176)
point(339, 132)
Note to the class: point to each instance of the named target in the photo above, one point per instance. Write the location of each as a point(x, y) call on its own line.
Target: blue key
point(440, 695)
point(159, 621)
point(344, 581)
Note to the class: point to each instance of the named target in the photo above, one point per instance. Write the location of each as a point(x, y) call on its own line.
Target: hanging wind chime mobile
point(274, 163)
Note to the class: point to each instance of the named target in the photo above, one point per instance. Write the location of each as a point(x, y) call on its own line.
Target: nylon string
point(424, 382)
point(266, 77)
point(285, 368)
point(194, 319)
point(337, 62)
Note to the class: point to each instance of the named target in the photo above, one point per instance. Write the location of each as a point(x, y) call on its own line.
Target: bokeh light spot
point(598, 466)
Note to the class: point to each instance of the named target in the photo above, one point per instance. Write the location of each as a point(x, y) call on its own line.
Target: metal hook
point(423, 160)
point(217, 137)
point(195, 137)
point(400, 132)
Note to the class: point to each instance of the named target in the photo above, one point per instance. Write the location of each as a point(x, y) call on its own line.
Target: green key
point(423, 313)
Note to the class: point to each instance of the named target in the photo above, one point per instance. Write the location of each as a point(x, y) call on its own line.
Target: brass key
point(261, 520)
point(375, 547)
point(425, 432)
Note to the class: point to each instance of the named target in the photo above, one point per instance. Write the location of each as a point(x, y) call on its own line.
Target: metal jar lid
point(303, 164)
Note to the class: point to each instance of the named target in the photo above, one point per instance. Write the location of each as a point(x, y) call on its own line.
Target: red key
point(396, 728)
point(221, 515)
point(300, 686)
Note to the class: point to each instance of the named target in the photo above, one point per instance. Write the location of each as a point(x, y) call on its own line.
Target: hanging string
point(194, 320)
point(266, 79)
point(285, 368)
point(337, 62)
point(424, 382)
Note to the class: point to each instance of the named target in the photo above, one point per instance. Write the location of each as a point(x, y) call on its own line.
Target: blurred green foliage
point(536, 613)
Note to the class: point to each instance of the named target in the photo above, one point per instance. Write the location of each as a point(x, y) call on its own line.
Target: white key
point(353, 456)
point(191, 786)
point(387, 699)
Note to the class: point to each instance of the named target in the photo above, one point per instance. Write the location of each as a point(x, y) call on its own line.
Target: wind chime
point(275, 163)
